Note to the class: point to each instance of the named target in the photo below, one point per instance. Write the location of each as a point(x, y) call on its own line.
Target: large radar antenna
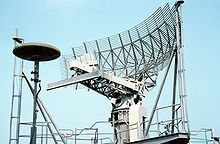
point(125, 66)
point(126, 63)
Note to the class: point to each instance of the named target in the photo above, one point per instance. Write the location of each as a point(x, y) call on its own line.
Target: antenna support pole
point(36, 80)
point(159, 93)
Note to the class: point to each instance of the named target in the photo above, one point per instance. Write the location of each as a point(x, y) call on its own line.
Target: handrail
point(92, 126)
point(199, 131)
point(167, 106)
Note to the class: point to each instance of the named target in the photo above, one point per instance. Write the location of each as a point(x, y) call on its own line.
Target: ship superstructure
point(124, 67)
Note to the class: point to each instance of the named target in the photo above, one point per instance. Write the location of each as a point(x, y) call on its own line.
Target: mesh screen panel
point(144, 47)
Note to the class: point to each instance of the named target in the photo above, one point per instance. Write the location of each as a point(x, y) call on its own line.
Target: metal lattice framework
point(135, 55)
point(141, 49)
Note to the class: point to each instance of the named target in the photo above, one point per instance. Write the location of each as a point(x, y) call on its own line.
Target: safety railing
point(203, 136)
point(162, 125)
point(43, 135)
point(94, 136)
point(84, 135)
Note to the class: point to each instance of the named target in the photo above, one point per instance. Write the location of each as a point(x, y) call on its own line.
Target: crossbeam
point(73, 80)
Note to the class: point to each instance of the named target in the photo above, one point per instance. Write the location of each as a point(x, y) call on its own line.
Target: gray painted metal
point(179, 58)
point(45, 112)
point(178, 32)
point(159, 93)
point(128, 63)
point(74, 80)
point(36, 51)
point(41, 109)
point(184, 80)
point(137, 54)
point(181, 70)
point(178, 138)
point(16, 98)
point(36, 80)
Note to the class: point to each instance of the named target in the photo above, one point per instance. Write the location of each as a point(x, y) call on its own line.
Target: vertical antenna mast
point(36, 52)
point(16, 96)
point(181, 70)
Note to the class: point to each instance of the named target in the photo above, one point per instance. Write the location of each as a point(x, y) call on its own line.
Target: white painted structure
point(137, 115)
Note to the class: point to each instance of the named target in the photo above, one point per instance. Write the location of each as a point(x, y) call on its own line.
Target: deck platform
point(178, 138)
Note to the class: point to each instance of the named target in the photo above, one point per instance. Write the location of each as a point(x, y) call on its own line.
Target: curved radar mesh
point(139, 52)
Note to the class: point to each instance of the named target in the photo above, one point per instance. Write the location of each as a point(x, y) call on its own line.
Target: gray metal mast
point(36, 80)
point(179, 64)
point(181, 69)
point(33, 52)
point(36, 52)
point(16, 96)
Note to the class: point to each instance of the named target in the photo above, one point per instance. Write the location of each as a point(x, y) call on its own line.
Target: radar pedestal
point(35, 51)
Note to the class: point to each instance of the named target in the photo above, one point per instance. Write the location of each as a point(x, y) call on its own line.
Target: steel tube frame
point(19, 92)
point(36, 79)
point(19, 102)
point(184, 80)
point(159, 93)
point(42, 104)
point(174, 91)
point(12, 104)
point(42, 107)
point(181, 70)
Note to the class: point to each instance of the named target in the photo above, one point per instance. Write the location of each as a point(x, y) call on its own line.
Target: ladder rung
point(16, 95)
point(18, 75)
point(13, 139)
point(14, 117)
